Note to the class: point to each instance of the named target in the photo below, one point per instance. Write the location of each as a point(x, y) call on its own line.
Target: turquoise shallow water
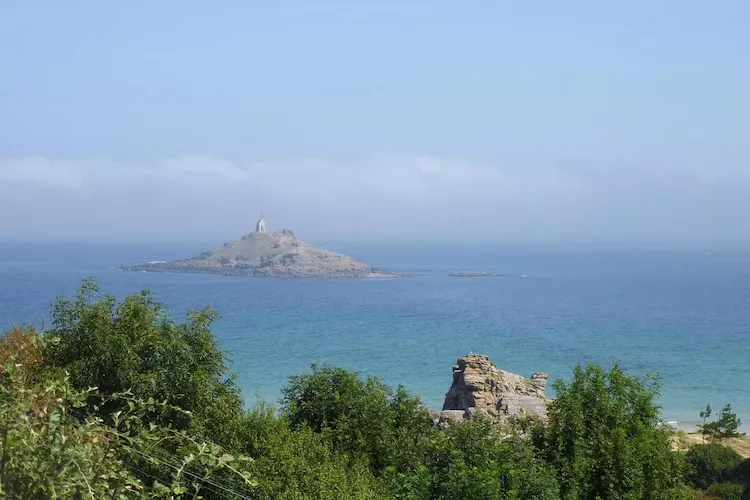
point(684, 314)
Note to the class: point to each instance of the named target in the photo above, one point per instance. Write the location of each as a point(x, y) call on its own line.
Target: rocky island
point(262, 254)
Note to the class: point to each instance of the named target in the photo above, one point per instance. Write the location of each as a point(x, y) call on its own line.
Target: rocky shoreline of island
point(279, 273)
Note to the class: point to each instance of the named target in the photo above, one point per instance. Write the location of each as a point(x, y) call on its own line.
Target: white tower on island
point(260, 227)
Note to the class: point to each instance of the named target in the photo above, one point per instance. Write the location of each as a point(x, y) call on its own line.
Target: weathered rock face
point(481, 387)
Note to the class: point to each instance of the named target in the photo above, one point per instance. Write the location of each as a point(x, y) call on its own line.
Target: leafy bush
point(358, 417)
point(301, 464)
point(48, 451)
point(712, 463)
point(473, 460)
point(45, 452)
point(604, 438)
point(133, 346)
point(726, 491)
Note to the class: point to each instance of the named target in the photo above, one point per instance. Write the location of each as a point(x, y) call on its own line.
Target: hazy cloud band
point(201, 198)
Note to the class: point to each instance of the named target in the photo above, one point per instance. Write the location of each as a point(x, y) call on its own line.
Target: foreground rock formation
point(480, 387)
point(263, 254)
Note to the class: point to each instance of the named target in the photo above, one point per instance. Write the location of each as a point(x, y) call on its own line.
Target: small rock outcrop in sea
point(480, 387)
point(268, 254)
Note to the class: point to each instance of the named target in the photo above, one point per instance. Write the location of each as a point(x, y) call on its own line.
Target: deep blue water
point(684, 314)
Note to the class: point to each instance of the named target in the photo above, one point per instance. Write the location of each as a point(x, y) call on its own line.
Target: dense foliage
point(362, 418)
point(712, 463)
point(50, 448)
point(474, 460)
point(133, 345)
point(726, 491)
point(295, 464)
point(116, 400)
point(605, 441)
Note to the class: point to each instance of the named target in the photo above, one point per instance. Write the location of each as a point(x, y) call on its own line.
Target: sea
point(684, 315)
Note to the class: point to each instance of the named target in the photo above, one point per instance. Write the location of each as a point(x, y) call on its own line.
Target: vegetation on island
point(116, 400)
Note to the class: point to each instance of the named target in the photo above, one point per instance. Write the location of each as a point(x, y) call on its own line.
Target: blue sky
point(527, 121)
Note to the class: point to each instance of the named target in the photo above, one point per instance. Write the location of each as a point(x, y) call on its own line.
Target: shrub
point(743, 472)
point(726, 491)
point(358, 417)
point(48, 451)
point(711, 463)
point(133, 346)
point(604, 438)
point(301, 464)
point(473, 460)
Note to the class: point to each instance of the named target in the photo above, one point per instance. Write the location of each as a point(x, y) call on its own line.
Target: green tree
point(605, 440)
point(47, 450)
point(300, 464)
point(133, 346)
point(358, 417)
point(726, 426)
point(474, 459)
